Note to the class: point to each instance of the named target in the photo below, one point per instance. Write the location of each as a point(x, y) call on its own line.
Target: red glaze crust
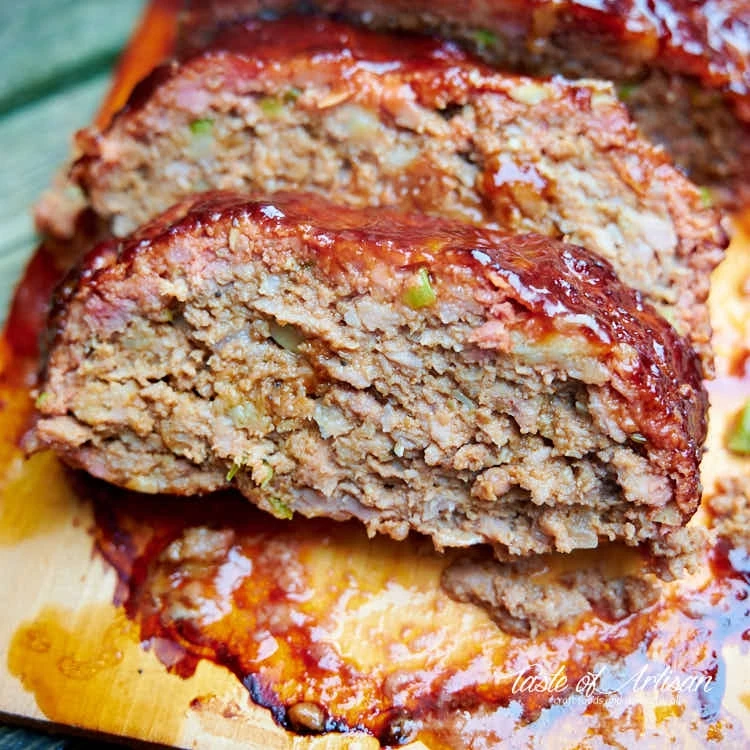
point(709, 40)
point(554, 290)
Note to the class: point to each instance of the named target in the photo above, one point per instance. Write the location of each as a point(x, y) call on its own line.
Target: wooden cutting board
point(67, 655)
point(70, 658)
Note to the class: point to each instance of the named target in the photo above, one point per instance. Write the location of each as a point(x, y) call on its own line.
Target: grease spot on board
point(35, 498)
point(87, 668)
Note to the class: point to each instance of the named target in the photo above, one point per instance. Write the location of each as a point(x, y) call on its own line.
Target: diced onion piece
point(484, 38)
point(279, 508)
point(286, 336)
point(234, 468)
point(625, 91)
point(42, 399)
point(420, 293)
point(247, 416)
point(331, 421)
point(292, 94)
point(271, 106)
point(529, 93)
point(203, 126)
point(739, 440)
point(269, 474)
point(463, 399)
point(707, 197)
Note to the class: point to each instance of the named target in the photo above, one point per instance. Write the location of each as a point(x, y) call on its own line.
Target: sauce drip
point(312, 612)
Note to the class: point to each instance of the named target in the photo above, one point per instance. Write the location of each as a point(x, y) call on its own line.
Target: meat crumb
point(730, 509)
point(523, 607)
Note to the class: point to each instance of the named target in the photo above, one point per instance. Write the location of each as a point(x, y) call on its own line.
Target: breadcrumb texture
point(384, 119)
point(682, 67)
point(416, 374)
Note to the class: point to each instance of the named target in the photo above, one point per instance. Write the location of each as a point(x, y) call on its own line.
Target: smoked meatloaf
point(682, 66)
point(378, 119)
point(414, 373)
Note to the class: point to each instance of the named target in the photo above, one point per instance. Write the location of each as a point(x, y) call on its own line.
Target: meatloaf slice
point(682, 66)
point(371, 119)
point(412, 372)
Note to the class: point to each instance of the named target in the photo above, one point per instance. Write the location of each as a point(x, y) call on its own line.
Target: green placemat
point(56, 57)
point(24, 739)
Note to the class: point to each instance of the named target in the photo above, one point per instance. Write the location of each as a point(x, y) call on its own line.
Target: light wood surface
point(56, 58)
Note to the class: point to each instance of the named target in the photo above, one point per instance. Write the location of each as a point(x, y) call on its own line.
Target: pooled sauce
point(70, 660)
point(33, 507)
point(334, 632)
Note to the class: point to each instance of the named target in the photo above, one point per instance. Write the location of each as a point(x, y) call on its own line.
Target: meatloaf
point(374, 119)
point(683, 66)
point(414, 373)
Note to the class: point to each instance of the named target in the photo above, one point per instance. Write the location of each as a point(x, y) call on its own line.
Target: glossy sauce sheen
point(271, 609)
point(557, 289)
point(709, 40)
point(279, 51)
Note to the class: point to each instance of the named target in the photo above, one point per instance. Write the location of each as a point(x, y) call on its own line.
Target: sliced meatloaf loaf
point(371, 119)
point(415, 373)
point(682, 66)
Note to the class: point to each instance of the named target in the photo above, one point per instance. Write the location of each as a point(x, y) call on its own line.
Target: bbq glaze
point(708, 40)
point(557, 289)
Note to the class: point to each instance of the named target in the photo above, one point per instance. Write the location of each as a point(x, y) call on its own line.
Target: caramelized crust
point(524, 397)
point(708, 40)
point(382, 119)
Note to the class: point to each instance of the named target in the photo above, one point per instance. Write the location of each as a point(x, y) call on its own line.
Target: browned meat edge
point(378, 119)
point(294, 347)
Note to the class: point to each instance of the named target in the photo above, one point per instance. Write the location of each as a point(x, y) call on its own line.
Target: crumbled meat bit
point(677, 554)
point(524, 606)
point(730, 507)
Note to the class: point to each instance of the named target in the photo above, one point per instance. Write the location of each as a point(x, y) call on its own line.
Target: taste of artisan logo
point(592, 684)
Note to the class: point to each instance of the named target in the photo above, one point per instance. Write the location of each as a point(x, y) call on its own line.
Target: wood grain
point(56, 57)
